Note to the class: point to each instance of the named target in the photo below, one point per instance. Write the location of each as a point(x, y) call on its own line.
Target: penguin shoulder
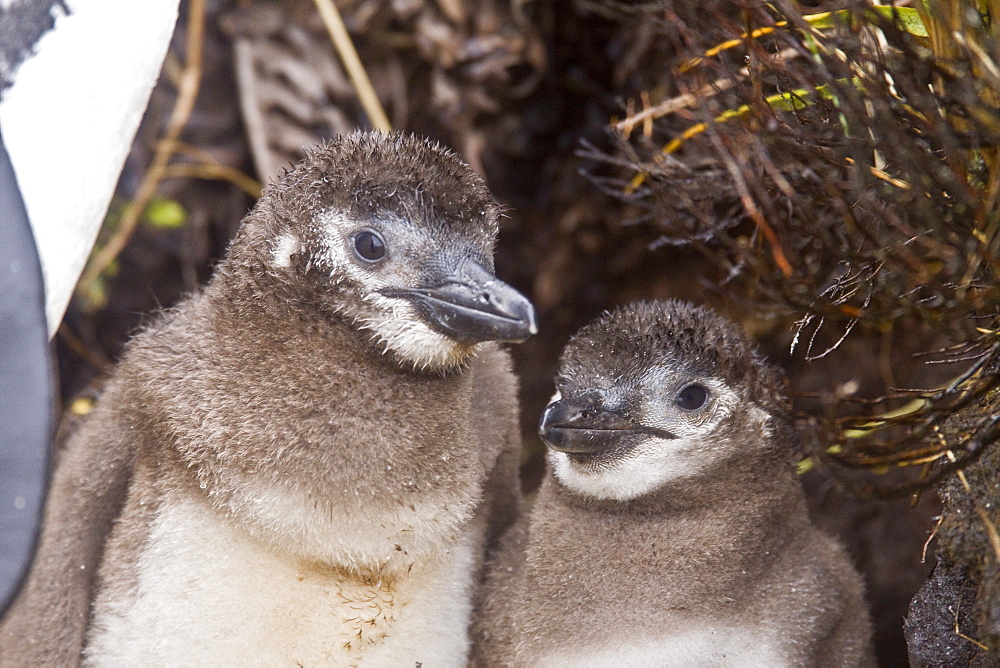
point(495, 412)
point(821, 612)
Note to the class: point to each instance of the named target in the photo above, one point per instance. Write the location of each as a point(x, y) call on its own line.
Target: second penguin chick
point(670, 529)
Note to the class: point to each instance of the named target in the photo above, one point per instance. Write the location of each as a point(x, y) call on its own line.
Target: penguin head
point(656, 392)
point(395, 235)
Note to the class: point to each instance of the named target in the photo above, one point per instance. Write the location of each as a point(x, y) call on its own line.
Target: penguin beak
point(585, 425)
point(472, 305)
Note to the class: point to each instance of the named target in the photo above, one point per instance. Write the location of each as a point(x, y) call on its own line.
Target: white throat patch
point(647, 467)
point(398, 326)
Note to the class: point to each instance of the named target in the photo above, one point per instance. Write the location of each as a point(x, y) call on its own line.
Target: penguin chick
point(289, 468)
point(670, 529)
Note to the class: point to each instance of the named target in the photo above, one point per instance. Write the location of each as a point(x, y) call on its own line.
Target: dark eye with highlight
point(369, 246)
point(692, 397)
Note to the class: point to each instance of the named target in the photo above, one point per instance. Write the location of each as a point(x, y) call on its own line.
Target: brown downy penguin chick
point(670, 529)
point(290, 468)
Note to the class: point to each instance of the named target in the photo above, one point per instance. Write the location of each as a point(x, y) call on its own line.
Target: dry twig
point(352, 63)
point(187, 92)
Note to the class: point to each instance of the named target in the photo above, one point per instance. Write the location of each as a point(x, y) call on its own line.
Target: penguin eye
point(692, 397)
point(369, 246)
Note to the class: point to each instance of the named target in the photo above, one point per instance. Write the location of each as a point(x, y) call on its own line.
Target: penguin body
point(290, 467)
point(670, 529)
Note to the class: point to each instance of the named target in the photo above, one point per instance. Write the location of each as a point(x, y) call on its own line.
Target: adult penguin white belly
point(68, 114)
point(75, 77)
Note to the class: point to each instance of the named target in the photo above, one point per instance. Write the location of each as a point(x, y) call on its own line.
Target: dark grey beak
point(585, 424)
point(472, 306)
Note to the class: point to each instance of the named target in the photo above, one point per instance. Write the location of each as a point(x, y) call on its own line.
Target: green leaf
point(908, 17)
point(165, 213)
point(95, 295)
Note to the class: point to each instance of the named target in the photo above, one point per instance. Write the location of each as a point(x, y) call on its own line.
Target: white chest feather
point(209, 594)
point(703, 646)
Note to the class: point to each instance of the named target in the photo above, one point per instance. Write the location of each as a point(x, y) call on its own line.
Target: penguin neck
point(743, 478)
point(246, 291)
point(739, 504)
point(706, 538)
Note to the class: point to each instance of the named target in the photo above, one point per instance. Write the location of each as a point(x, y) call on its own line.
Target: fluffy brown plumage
point(285, 467)
point(670, 528)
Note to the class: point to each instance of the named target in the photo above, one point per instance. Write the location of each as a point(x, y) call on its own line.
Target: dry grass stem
point(253, 117)
point(190, 81)
point(96, 359)
point(352, 63)
point(961, 635)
